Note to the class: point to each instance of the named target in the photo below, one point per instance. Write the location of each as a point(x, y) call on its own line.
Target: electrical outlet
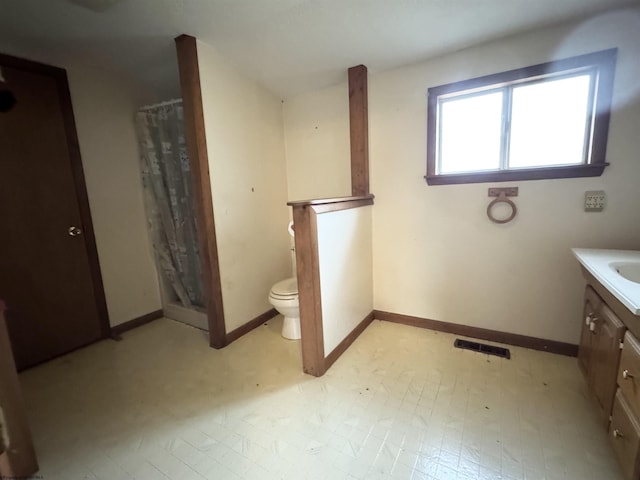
point(594, 200)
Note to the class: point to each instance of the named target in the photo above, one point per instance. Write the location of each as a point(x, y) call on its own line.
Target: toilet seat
point(285, 289)
point(275, 296)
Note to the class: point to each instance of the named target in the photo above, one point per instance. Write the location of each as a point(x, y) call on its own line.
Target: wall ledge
point(367, 199)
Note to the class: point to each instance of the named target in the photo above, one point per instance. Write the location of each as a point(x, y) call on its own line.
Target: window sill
point(576, 171)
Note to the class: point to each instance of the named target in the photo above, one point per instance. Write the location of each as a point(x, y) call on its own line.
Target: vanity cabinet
point(599, 351)
point(609, 350)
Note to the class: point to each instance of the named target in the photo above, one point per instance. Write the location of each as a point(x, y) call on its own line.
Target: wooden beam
point(199, 163)
point(308, 273)
point(359, 130)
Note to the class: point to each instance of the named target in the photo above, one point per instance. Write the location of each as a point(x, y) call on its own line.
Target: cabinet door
point(605, 356)
point(592, 303)
point(625, 438)
point(629, 372)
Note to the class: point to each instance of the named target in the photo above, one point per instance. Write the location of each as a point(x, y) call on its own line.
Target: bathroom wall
point(435, 253)
point(317, 144)
point(104, 106)
point(245, 143)
point(345, 265)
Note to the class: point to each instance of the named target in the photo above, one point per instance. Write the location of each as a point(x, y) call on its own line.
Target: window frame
point(602, 62)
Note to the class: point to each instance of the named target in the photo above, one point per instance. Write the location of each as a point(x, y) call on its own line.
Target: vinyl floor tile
point(401, 403)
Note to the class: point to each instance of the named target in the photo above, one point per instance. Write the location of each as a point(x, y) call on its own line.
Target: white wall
point(345, 265)
point(436, 255)
point(104, 108)
point(317, 143)
point(245, 143)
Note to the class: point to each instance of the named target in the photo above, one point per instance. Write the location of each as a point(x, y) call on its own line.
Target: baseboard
point(534, 343)
point(247, 327)
point(348, 340)
point(135, 323)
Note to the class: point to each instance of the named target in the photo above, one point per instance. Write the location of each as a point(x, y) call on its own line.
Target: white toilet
point(284, 298)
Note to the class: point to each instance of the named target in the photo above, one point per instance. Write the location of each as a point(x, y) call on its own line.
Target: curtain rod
point(161, 104)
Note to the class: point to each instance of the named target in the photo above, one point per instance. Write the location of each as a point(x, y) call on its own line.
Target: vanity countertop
point(604, 266)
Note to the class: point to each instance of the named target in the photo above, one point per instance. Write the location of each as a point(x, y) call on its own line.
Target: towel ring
point(502, 198)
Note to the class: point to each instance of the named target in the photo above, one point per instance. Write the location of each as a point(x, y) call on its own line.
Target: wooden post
point(359, 130)
point(199, 163)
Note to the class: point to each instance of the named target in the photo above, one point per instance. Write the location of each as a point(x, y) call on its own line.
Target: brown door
point(49, 274)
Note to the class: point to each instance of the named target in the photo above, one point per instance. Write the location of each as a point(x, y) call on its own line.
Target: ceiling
point(289, 46)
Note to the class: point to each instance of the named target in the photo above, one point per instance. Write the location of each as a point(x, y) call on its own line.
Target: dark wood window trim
point(605, 62)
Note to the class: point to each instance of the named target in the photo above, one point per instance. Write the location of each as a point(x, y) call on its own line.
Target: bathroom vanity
point(609, 353)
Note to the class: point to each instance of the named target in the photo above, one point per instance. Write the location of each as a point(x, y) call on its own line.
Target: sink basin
point(617, 270)
point(628, 270)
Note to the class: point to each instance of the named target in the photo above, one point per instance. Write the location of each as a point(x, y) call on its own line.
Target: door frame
point(75, 159)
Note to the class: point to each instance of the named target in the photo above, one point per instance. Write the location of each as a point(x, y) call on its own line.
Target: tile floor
point(401, 403)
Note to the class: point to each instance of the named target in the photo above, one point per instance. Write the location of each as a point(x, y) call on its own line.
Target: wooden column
point(359, 130)
point(22, 457)
point(199, 163)
point(309, 296)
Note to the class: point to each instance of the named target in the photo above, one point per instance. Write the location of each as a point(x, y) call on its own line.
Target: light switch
point(594, 200)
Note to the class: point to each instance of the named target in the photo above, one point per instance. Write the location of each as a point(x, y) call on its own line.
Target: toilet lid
point(286, 287)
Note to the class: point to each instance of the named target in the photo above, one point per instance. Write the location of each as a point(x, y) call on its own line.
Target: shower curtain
point(169, 200)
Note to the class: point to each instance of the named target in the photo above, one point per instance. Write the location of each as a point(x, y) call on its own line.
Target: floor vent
point(482, 348)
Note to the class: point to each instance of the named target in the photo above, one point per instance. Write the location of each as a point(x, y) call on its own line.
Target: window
point(546, 121)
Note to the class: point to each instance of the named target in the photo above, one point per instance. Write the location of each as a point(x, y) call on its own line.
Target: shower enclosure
point(169, 204)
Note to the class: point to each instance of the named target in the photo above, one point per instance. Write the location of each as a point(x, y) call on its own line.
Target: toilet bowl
point(284, 298)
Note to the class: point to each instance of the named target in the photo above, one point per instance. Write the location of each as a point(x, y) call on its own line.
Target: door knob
point(617, 433)
point(74, 231)
point(626, 374)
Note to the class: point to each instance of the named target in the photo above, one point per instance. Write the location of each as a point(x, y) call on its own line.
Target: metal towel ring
point(502, 198)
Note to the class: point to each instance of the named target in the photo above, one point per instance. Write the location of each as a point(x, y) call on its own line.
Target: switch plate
point(594, 200)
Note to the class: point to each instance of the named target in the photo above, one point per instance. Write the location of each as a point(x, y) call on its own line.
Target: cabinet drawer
point(624, 434)
point(629, 372)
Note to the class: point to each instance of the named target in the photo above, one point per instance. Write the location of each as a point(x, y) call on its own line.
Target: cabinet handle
point(626, 374)
point(587, 320)
point(592, 326)
point(617, 433)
